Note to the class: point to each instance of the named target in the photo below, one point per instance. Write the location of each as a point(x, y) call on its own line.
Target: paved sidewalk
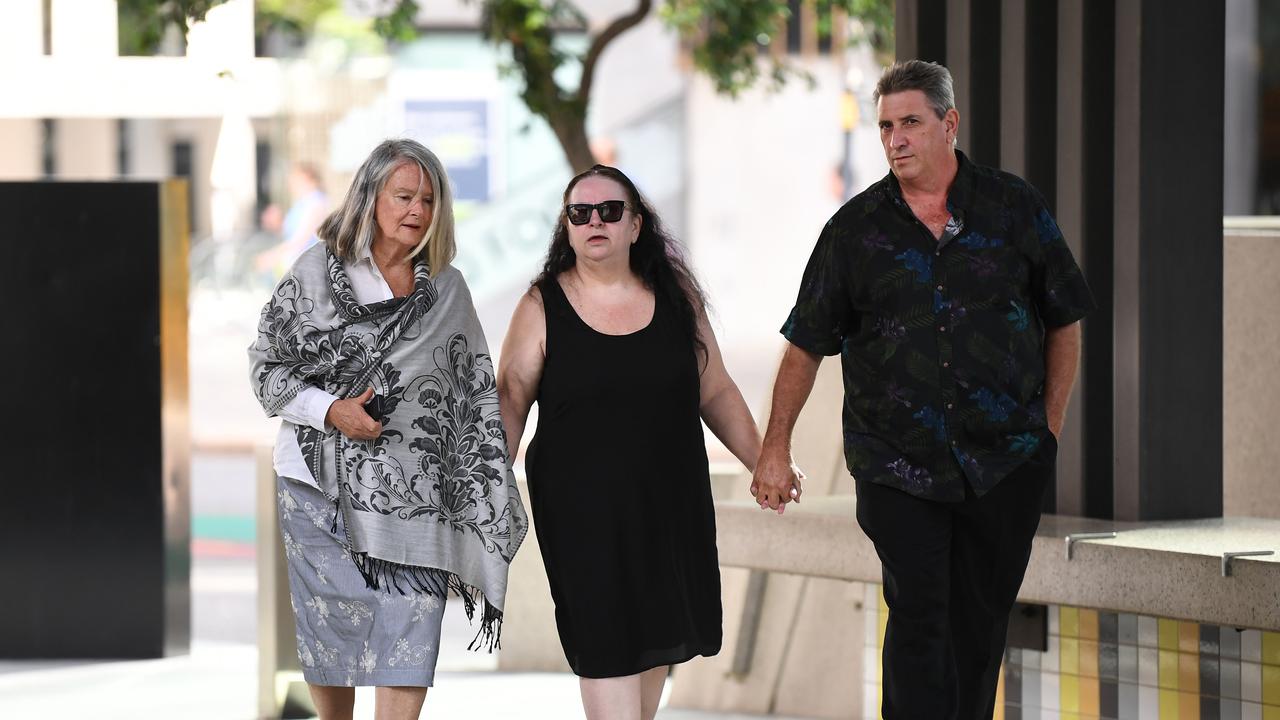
point(216, 682)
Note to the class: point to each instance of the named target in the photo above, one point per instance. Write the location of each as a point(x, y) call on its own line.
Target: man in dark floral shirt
point(954, 303)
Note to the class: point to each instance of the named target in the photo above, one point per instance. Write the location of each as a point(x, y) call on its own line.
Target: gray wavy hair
point(349, 230)
point(932, 79)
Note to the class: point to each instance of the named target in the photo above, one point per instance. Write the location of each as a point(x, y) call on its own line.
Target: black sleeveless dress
point(620, 494)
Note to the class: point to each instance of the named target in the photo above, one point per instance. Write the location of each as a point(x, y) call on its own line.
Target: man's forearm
point(796, 374)
point(1061, 361)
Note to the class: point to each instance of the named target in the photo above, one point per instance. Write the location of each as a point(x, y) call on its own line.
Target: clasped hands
point(776, 481)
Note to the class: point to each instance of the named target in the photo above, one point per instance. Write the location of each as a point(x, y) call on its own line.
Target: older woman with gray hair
point(393, 481)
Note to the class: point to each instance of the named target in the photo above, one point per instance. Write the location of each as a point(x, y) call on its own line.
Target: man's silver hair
point(932, 79)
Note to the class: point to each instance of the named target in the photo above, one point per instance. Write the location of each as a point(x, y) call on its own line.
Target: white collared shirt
point(312, 404)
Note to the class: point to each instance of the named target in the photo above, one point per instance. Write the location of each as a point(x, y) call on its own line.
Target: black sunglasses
point(610, 211)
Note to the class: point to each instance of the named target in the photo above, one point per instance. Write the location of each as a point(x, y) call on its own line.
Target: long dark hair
point(657, 258)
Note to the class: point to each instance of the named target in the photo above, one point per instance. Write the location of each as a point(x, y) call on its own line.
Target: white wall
point(86, 149)
point(761, 187)
point(20, 149)
point(637, 71)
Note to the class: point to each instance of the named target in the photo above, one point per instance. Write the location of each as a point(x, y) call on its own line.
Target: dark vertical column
point(1168, 250)
point(984, 81)
point(95, 518)
point(1042, 111)
point(921, 30)
point(932, 31)
point(1097, 197)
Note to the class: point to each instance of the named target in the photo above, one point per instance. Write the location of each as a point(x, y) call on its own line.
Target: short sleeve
point(823, 312)
point(1058, 287)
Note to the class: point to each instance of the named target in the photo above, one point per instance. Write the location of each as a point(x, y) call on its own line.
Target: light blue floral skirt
point(349, 634)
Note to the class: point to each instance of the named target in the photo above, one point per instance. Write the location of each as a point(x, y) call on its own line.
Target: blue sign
point(457, 131)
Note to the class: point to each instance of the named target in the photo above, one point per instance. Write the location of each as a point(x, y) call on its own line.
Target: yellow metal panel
point(1271, 648)
point(1069, 692)
point(1271, 685)
point(1069, 656)
point(1168, 634)
point(175, 422)
point(1169, 705)
point(1168, 670)
point(1069, 622)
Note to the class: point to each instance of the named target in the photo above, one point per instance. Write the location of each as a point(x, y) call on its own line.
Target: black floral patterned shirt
point(941, 341)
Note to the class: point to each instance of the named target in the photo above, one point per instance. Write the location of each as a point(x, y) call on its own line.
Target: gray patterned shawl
point(431, 504)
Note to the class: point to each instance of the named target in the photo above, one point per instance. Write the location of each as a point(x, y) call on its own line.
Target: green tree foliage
point(726, 36)
point(727, 39)
point(292, 17)
point(143, 22)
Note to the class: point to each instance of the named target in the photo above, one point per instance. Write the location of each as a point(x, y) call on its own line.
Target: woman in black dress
point(613, 343)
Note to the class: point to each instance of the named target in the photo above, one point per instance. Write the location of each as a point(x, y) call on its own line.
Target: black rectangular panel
point(1028, 627)
point(1180, 447)
point(984, 82)
point(83, 522)
point(1042, 99)
point(932, 30)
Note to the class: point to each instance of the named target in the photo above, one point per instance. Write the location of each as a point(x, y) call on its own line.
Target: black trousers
point(951, 575)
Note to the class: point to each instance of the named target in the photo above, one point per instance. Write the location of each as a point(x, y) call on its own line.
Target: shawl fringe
point(383, 575)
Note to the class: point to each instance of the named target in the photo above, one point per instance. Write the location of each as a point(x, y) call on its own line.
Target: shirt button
point(942, 328)
point(946, 364)
point(954, 443)
point(951, 406)
point(939, 288)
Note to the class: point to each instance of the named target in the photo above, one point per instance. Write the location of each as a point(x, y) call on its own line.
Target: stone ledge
point(1168, 569)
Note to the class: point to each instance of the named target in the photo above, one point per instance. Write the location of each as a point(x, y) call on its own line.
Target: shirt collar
point(959, 195)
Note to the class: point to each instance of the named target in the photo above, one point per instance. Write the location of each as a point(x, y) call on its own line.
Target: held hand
point(349, 417)
point(776, 481)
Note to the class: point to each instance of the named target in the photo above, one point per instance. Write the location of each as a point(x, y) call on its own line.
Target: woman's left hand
point(350, 418)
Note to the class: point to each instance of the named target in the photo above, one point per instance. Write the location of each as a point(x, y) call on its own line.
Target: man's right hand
point(776, 480)
point(350, 418)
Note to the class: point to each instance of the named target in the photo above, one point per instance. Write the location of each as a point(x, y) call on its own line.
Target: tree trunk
point(571, 131)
